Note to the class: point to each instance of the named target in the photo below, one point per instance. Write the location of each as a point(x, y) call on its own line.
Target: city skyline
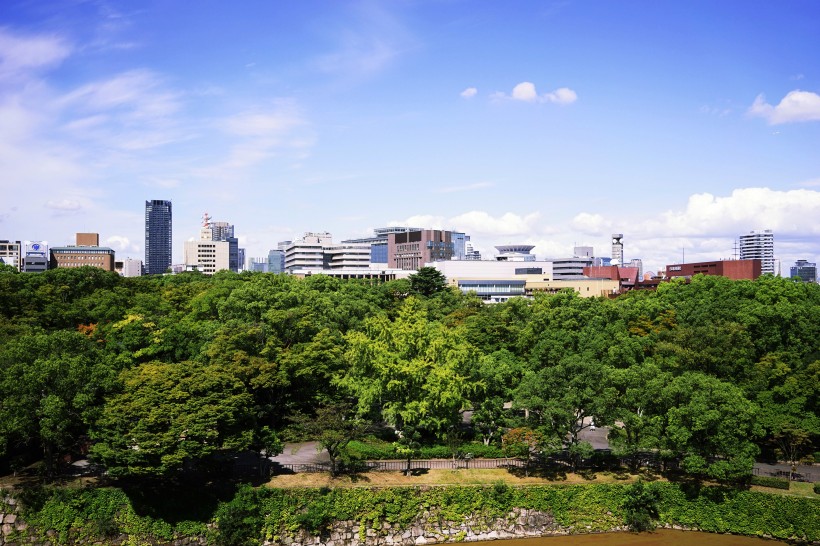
point(680, 125)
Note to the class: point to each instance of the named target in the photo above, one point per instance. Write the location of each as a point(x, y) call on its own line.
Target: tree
point(525, 443)
point(412, 371)
point(567, 398)
point(169, 416)
point(711, 425)
point(51, 388)
point(407, 445)
point(792, 444)
point(427, 281)
point(334, 426)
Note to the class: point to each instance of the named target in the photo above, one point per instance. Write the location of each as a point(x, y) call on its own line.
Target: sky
point(680, 124)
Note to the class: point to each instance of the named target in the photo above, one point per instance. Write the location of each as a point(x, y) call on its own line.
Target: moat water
point(661, 537)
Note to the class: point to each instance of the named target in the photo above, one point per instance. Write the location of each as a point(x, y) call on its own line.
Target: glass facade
point(158, 236)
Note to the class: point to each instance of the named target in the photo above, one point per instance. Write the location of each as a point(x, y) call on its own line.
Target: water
point(661, 537)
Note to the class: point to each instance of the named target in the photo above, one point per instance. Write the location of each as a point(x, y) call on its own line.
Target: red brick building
point(733, 269)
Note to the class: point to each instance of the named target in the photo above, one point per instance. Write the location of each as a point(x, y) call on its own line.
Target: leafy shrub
point(379, 449)
point(767, 481)
point(817, 488)
point(641, 507)
point(239, 521)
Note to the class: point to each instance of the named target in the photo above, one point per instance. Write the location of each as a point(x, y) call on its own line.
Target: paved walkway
point(309, 453)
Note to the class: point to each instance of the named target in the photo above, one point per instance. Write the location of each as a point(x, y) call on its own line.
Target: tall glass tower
point(157, 236)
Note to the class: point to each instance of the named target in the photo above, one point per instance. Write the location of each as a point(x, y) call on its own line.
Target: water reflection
point(661, 537)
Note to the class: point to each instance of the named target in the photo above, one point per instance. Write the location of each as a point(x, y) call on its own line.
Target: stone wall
point(12, 526)
point(520, 523)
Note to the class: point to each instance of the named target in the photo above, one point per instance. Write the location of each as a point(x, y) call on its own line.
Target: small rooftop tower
point(617, 248)
point(515, 253)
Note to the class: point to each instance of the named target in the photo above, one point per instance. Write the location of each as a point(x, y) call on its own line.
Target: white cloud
point(562, 95)
point(479, 223)
point(796, 106)
point(121, 243)
point(64, 205)
point(526, 92)
point(20, 54)
point(592, 224)
point(469, 93)
point(366, 43)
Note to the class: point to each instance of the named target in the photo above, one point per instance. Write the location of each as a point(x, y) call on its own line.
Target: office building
point(414, 249)
point(224, 231)
point(307, 252)
point(10, 253)
point(131, 268)
point(732, 269)
point(803, 270)
point(158, 236)
point(36, 257)
point(759, 245)
point(276, 257)
point(378, 242)
point(82, 255)
point(317, 251)
point(205, 254)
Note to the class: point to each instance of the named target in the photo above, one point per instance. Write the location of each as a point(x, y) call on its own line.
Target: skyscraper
point(759, 245)
point(158, 241)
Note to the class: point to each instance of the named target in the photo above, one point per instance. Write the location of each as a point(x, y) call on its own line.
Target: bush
point(767, 481)
point(379, 449)
point(239, 521)
point(817, 488)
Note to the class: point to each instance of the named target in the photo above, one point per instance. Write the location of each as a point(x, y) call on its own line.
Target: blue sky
point(680, 124)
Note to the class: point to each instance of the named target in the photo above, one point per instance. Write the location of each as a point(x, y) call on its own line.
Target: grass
point(796, 489)
point(440, 477)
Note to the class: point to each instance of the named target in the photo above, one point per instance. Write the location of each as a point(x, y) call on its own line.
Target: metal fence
point(399, 465)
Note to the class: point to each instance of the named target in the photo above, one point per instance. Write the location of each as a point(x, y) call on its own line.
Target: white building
point(307, 252)
point(205, 254)
point(759, 245)
point(317, 251)
point(131, 267)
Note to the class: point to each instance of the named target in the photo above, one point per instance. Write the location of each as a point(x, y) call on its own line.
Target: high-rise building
point(804, 270)
point(158, 236)
point(617, 249)
point(759, 245)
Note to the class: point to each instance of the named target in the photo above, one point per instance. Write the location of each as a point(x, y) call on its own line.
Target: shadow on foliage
point(554, 473)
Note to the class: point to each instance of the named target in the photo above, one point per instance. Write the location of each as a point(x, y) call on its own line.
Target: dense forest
point(150, 376)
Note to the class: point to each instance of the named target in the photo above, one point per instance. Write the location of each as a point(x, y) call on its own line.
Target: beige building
point(205, 254)
point(10, 253)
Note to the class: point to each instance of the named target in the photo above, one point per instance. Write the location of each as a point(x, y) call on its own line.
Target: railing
point(398, 465)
